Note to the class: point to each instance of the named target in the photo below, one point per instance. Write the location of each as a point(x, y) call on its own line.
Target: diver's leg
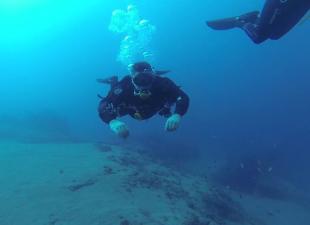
point(263, 28)
point(290, 18)
point(277, 18)
point(269, 23)
point(247, 22)
point(251, 30)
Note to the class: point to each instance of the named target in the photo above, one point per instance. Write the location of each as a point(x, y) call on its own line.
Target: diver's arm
point(177, 96)
point(110, 106)
point(181, 100)
point(110, 109)
point(182, 103)
point(181, 107)
point(107, 111)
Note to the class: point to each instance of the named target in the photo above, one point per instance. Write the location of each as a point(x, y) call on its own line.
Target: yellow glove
point(119, 128)
point(173, 122)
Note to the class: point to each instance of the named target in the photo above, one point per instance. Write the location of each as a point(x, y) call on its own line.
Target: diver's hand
point(119, 128)
point(173, 122)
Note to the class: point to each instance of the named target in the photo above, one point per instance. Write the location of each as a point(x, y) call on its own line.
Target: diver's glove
point(119, 128)
point(173, 122)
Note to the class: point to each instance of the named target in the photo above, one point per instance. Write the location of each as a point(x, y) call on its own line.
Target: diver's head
point(142, 77)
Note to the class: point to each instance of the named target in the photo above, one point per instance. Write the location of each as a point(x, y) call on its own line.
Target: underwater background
point(249, 103)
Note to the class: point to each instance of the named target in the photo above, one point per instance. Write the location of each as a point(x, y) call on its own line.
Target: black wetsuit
point(277, 18)
point(121, 100)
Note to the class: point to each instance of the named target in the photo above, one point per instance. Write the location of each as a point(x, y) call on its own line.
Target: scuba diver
point(277, 18)
point(142, 94)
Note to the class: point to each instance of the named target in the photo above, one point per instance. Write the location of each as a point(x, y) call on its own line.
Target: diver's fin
point(110, 80)
point(233, 22)
point(161, 72)
point(99, 96)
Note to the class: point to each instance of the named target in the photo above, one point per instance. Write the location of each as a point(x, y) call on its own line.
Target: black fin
point(223, 24)
point(161, 72)
point(100, 96)
point(233, 22)
point(250, 17)
point(110, 80)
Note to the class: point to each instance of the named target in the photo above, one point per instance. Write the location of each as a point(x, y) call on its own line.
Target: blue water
point(246, 99)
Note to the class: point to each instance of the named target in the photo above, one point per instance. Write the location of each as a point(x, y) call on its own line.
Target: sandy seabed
point(101, 184)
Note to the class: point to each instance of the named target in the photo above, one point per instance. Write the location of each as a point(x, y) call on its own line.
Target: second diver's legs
point(290, 17)
point(262, 29)
point(277, 18)
point(258, 28)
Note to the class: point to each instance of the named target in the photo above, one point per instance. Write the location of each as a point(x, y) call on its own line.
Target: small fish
point(270, 169)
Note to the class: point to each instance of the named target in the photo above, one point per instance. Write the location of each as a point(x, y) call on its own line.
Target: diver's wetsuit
point(277, 18)
point(121, 100)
